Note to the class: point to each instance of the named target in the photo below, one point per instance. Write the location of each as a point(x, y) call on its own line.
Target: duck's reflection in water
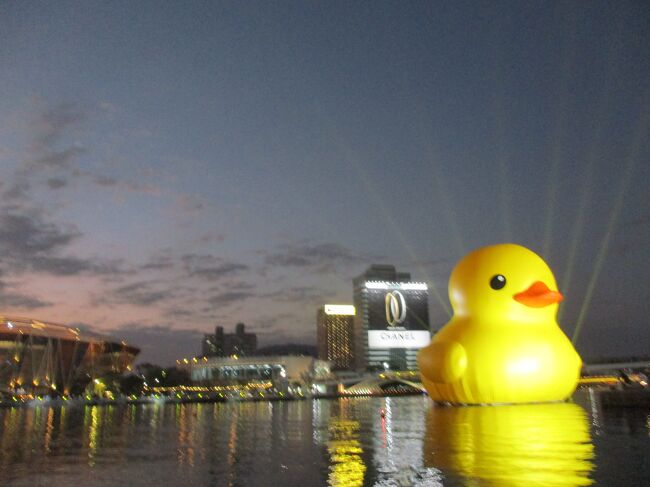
point(536, 444)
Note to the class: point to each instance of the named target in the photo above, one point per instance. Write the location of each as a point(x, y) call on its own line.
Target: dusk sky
point(166, 167)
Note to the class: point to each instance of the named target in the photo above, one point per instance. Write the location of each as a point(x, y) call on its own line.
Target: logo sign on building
point(395, 308)
point(398, 315)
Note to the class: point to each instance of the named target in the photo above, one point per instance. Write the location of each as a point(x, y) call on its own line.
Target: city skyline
point(166, 169)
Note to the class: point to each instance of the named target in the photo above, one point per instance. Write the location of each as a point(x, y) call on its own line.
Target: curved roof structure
point(42, 356)
point(30, 326)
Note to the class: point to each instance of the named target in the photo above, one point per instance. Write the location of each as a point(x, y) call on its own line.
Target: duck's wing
point(442, 361)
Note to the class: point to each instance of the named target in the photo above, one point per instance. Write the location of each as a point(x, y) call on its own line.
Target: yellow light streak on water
point(93, 432)
point(537, 444)
point(347, 467)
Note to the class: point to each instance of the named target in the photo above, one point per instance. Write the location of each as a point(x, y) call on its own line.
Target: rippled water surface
point(325, 442)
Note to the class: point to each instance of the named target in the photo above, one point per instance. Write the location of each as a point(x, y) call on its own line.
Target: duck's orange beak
point(538, 295)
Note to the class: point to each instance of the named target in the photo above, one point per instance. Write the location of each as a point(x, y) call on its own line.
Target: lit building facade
point(222, 344)
point(335, 324)
point(280, 372)
point(392, 319)
point(49, 358)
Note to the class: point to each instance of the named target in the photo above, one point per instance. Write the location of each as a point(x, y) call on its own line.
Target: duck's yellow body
point(503, 344)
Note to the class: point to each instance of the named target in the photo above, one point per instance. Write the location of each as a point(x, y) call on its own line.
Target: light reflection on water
point(547, 444)
point(346, 442)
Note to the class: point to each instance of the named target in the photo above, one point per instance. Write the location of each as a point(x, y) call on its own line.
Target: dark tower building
point(222, 344)
point(392, 319)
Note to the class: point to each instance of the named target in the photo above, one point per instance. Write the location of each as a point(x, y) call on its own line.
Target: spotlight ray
point(560, 127)
point(578, 226)
point(585, 193)
point(384, 210)
point(374, 194)
point(503, 155)
point(439, 187)
point(626, 178)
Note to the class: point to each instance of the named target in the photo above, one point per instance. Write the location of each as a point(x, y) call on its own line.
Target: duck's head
point(504, 282)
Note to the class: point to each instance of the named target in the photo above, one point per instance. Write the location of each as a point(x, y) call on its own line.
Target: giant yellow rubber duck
point(503, 344)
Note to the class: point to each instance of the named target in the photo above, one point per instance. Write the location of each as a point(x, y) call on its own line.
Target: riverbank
point(46, 401)
point(627, 397)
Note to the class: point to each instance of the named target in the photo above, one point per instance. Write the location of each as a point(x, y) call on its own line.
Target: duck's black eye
point(498, 282)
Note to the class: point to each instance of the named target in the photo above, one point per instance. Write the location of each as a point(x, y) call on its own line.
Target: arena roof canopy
point(45, 357)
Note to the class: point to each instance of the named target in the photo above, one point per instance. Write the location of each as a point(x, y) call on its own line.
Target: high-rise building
point(392, 319)
point(335, 324)
point(222, 344)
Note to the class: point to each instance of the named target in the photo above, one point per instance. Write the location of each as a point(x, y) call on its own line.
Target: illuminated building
point(281, 371)
point(392, 319)
point(41, 357)
point(334, 334)
point(222, 344)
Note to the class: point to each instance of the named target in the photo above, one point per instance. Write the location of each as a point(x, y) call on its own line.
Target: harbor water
point(383, 441)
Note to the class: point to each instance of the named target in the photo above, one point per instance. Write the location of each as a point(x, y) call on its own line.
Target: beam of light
point(559, 132)
point(583, 203)
point(552, 197)
point(384, 210)
point(375, 196)
point(440, 187)
point(444, 203)
point(585, 193)
point(504, 151)
point(503, 157)
point(578, 226)
point(626, 178)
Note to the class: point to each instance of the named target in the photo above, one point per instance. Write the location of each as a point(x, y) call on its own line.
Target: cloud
point(211, 268)
point(17, 191)
point(179, 313)
point(49, 130)
point(160, 344)
point(143, 293)
point(28, 242)
point(17, 300)
point(60, 159)
point(211, 237)
point(29, 235)
point(229, 297)
point(51, 149)
point(220, 271)
point(70, 266)
point(189, 203)
point(304, 294)
point(322, 258)
point(56, 183)
point(241, 286)
point(110, 182)
point(158, 263)
point(50, 126)
point(102, 180)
